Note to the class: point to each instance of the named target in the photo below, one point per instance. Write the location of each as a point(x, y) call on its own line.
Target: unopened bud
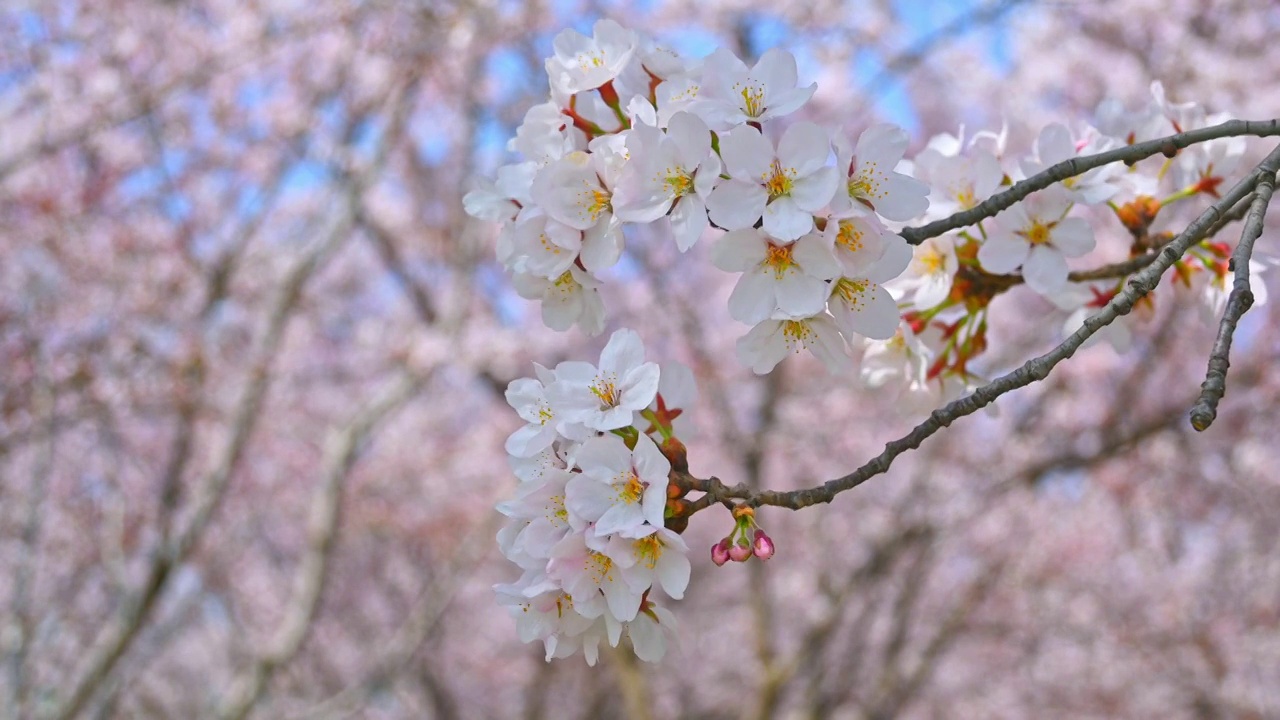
point(720, 552)
point(763, 545)
point(740, 552)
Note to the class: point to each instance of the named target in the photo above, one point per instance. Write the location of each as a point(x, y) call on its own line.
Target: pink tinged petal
point(639, 388)
point(623, 603)
point(650, 464)
point(883, 144)
point(875, 315)
point(804, 147)
point(1002, 254)
point(739, 251)
point(736, 205)
point(531, 440)
point(763, 347)
point(828, 346)
point(691, 137)
point(747, 154)
point(688, 222)
point(623, 352)
point(894, 261)
point(776, 69)
point(1055, 144)
point(986, 174)
point(813, 191)
point(1047, 205)
point(673, 573)
point(1045, 270)
point(620, 518)
point(800, 295)
point(1073, 236)
point(604, 458)
point(787, 101)
point(588, 498)
point(753, 299)
point(813, 254)
point(904, 198)
point(602, 245)
point(560, 310)
point(784, 220)
point(707, 177)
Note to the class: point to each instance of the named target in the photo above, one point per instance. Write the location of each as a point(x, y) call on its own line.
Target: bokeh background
point(252, 355)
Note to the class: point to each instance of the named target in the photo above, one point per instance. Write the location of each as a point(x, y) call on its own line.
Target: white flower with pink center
point(870, 180)
point(672, 172)
point(585, 63)
point(574, 297)
point(732, 94)
point(785, 186)
point(619, 490)
point(592, 579)
point(603, 398)
point(770, 341)
point(777, 276)
point(1036, 235)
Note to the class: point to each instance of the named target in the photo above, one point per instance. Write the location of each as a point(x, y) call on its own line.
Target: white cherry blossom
point(1056, 144)
point(928, 277)
point(592, 579)
point(669, 173)
point(572, 298)
point(1036, 236)
point(604, 398)
point(733, 94)
point(786, 185)
point(869, 177)
point(777, 276)
point(529, 399)
point(650, 631)
point(543, 505)
point(577, 190)
point(766, 344)
point(653, 555)
point(620, 490)
point(585, 63)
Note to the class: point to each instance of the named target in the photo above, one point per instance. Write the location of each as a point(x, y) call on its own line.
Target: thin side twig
point(1241, 299)
point(1032, 371)
point(1075, 166)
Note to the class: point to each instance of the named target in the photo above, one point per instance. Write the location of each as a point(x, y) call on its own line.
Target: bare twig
point(340, 456)
point(1239, 302)
point(1075, 166)
point(1032, 371)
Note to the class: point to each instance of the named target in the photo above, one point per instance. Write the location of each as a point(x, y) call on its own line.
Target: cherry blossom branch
point(1239, 302)
point(1070, 168)
point(1032, 371)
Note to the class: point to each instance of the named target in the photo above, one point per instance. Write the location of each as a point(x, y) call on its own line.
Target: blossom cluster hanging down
point(587, 525)
point(634, 134)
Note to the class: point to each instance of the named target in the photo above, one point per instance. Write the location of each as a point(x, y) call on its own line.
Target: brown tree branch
point(1032, 371)
point(1239, 302)
point(1075, 166)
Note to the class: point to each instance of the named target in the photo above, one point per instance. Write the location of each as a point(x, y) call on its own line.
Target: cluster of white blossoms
point(587, 525)
point(943, 303)
point(634, 134)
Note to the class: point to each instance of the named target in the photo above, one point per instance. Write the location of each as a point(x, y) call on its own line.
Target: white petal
point(784, 220)
point(1001, 254)
point(754, 297)
point(746, 153)
point(1073, 236)
point(739, 251)
point(804, 147)
point(813, 191)
point(735, 204)
point(623, 352)
point(800, 295)
point(1045, 270)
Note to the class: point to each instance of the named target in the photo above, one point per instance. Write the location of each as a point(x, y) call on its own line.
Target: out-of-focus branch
point(115, 638)
point(1075, 166)
point(322, 527)
point(19, 627)
point(1032, 371)
point(1238, 303)
point(421, 619)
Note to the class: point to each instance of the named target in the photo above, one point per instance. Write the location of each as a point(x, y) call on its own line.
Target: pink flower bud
point(740, 552)
point(720, 552)
point(763, 546)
